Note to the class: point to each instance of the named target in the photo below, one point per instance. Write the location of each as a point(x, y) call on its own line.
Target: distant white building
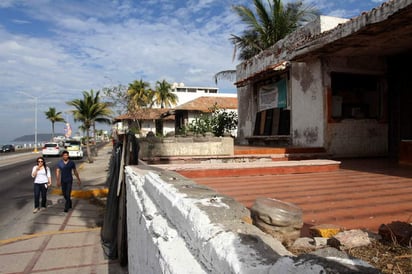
point(190, 93)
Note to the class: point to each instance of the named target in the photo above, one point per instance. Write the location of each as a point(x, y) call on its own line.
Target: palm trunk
point(52, 130)
point(89, 155)
point(94, 140)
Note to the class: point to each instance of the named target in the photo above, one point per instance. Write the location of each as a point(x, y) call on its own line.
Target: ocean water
point(27, 144)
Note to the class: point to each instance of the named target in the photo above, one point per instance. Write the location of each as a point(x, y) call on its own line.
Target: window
point(356, 96)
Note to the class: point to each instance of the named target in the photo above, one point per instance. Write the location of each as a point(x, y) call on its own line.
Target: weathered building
point(340, 84)
point(189, 111)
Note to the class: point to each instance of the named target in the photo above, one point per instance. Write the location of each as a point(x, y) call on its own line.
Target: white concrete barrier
point(177, 226)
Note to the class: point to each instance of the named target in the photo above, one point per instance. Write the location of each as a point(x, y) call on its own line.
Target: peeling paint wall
point(246, 113)
point(307, 104)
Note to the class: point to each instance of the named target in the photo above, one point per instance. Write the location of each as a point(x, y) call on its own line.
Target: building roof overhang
point(273, 70)
point(145, 114)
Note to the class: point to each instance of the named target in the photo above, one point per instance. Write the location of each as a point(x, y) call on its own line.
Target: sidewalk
point(66, 242)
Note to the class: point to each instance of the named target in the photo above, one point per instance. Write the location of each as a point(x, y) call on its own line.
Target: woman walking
point(42, 180)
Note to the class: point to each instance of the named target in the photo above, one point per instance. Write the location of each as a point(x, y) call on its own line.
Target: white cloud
point(66, 47)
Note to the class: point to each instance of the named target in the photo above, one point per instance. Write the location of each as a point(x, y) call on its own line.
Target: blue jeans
point(67, 192)
point(40, 189)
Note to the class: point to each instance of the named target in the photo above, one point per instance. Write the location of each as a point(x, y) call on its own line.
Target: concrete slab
point(74, 240)
point(15, 262)
point(23, 245)
point(65, 257)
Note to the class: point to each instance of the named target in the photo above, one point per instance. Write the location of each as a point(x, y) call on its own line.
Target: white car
point(74, 148)
point(51, 149)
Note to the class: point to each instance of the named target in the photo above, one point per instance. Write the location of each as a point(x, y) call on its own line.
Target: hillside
point(41, 137)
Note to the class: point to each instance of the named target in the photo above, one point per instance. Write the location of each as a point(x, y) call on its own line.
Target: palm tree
point(266, 26)
point(139, 95)
point(163, 94)
point(54, 116)
point(271, 23)
point(90, 110)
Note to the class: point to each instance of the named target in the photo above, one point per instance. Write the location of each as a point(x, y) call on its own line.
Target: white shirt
point(41, 177)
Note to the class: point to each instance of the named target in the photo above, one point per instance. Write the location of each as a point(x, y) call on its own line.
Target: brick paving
point(363, 193)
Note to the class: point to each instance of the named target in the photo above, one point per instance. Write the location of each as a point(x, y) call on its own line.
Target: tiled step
point(252, 168)
point(282, 153)
point(363, 194)
point(242, 150)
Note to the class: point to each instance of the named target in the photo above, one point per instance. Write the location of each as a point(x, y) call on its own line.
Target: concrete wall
point(185, 146)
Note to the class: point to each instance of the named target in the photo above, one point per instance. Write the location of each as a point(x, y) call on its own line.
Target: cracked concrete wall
point(185, 146)
point(176, 226)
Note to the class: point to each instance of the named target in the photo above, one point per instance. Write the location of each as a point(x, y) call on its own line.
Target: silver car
point(51, 149)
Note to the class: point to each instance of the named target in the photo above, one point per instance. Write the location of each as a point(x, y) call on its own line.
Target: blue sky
point(55, 49)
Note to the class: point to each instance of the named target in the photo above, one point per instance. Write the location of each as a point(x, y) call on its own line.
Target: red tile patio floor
point(363, 193)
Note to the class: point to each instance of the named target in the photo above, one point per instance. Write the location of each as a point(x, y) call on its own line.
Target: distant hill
point(41, 137)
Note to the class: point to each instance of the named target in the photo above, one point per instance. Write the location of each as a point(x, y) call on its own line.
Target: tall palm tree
point(265, 26)
point(139, 95)
point(163, 94)
point(90, 110)
point(54, 117)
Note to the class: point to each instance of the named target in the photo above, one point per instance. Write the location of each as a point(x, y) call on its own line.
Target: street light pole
point(35, 124)
point(35, 118)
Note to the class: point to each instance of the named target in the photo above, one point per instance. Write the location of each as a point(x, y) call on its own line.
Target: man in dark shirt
point(64, 176)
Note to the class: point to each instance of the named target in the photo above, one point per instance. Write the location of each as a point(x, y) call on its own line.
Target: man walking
point(64, 176)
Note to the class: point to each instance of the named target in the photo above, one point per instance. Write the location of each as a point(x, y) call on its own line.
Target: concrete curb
point(84, 194)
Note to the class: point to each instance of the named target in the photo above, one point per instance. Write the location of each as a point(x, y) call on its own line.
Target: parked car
point(51, 149)
point(7, 148)
point(74, 148)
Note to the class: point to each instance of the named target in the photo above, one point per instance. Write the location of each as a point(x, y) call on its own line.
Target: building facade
point(336, 83)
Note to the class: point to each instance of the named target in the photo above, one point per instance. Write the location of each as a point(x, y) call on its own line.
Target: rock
point(330, 252)
point(305, 243)
point(397, 232)
point(285, 234)
point(325, 230)
point(320, 242)
point(349, 239)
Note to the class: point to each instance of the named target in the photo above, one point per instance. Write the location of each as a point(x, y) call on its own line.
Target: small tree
point(218, 122)
point(201, 124)
point(223, 122)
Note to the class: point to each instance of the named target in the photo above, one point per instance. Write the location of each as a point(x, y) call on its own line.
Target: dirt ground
point(384, 256)
point(387, 257)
